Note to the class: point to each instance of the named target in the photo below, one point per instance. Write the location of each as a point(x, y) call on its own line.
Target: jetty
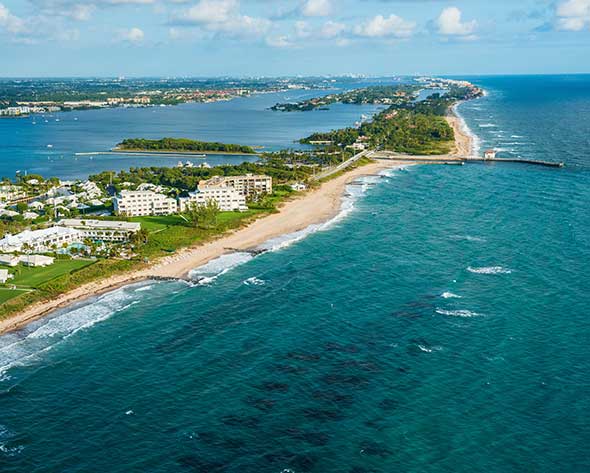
point(460, 160)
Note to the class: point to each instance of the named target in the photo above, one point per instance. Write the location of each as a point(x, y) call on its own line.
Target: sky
point(292, 37)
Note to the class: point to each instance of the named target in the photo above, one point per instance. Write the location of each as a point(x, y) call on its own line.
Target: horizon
point(257, 38)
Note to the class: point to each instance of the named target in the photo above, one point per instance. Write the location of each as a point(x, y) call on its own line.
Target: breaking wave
point(450, 295)
point(489, 270)
point(457, 313)
point(25, 346)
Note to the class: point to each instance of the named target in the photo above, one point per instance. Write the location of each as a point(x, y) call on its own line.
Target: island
point(180, 145)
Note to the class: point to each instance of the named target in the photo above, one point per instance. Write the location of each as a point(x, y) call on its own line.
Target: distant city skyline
point(292, 37)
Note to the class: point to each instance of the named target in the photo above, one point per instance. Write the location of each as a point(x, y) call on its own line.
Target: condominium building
point(102, 230)
point(226, 197)
point(40, 241)
point(141, 203)
point(249, 185)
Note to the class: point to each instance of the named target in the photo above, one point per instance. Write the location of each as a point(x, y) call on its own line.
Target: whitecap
point(487, 125)
point(457, 313)
point(489, 270)
point(254, 281)
point(469, 238)
point(425, 349)
point(450, 295)
point(209, 272)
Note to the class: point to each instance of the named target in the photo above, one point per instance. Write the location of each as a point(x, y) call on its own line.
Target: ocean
point(440, 323)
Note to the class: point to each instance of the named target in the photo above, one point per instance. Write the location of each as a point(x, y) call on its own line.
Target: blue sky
point(290, 37)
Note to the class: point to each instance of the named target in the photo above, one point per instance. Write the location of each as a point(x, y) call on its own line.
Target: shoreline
point(313, 207)
point(316, 206)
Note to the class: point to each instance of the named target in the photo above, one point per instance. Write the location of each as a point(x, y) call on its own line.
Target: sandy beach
point(312, 207)
point(463, 142)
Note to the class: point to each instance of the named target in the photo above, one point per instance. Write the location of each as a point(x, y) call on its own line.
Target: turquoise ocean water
point(439, 324)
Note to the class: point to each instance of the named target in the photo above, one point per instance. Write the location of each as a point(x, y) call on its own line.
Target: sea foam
point(489, 270)
point(457, 313)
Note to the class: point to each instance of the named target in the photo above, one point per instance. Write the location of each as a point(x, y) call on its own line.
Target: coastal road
point(344, 165)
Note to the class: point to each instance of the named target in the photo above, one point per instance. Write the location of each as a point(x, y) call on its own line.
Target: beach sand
point(463, 142)
point(312, 207)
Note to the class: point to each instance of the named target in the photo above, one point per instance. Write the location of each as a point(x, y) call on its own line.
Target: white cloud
point(133, 35)
point(450, 23)
point(382, 27)
point(573, 15)
point(279, 42)
point(332, 29)
point(10, 22)
point(211, 11)
point(223, 16)
point(317, 7)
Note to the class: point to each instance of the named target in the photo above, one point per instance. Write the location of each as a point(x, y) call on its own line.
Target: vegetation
point(380, 94)
point(182, 145)
point(203, 215)
point(36, 277)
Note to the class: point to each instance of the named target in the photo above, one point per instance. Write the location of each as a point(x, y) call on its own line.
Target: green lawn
point(7, 294)
point(34, 277)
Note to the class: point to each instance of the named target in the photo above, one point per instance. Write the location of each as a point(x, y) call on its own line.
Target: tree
point(203, 215)
point(140, 238)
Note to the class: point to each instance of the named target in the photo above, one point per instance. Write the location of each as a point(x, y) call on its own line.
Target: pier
point(534, 162)
point(460, 160)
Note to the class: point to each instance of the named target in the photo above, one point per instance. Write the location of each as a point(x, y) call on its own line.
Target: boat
point(50, 146)
point(200, 155)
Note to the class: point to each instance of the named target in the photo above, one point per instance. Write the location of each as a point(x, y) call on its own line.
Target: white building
point(36, 261)
point(249, 185)
point(298, 186)
point(226, 197)
point(141, 203)
point(489, 154)
point(4, 275)
point(40, 241)
point(9, 260)
point(9, 193)
point(102, 230)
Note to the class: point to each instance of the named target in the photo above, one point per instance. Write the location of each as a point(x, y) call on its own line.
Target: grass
point(7, 294)
point(35, 277)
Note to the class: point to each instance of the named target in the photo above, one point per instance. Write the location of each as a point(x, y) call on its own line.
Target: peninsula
point(167, 221)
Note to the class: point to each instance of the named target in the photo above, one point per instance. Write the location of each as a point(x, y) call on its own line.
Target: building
point(9, 260)
point(249, 185)
point(298, 186)
point(4, 275)
point(226, 197)
point(37, 261)
point(10, 193)
point(40, 241)
point(489, 154)
point(102, 230)
point(142, 203)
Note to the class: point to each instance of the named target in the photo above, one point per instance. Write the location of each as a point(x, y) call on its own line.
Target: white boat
point(50, 146)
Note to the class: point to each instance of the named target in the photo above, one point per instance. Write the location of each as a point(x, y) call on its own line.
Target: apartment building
point(40, 241)
point(249, 185)
point(142, 203)
point(226, 197)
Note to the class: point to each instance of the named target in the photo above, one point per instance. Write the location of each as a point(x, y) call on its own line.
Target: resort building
point(226, 197)
point(4, 275)
point(142, 203)
point(9, 193)
point(9, 260)
point(249, 185)
point(41, 241)
point(102, 230)
point(36, 261)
